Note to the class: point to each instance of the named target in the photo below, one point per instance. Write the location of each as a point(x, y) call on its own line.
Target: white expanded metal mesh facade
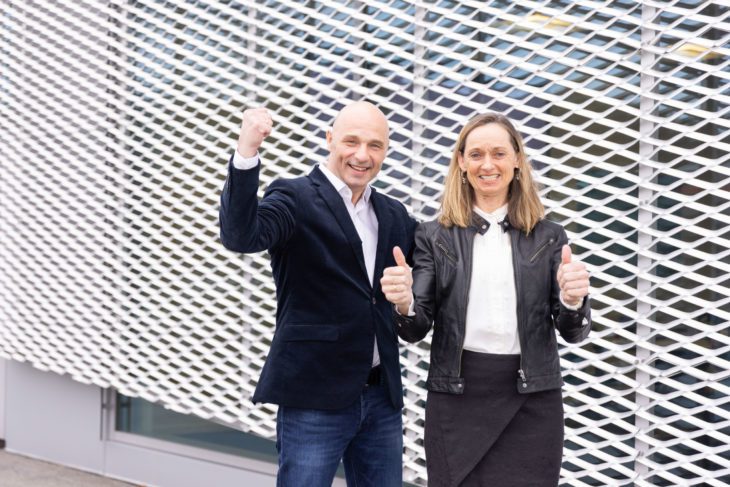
point(117, 119)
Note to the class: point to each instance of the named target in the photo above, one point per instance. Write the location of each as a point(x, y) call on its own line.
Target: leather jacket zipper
point(446, 252)
point(516, 269)
point(522, 374)
point(468, 251)
point(540, 249)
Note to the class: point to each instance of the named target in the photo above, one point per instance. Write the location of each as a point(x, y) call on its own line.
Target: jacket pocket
point(444, 250)
point(541, 249)
point(304, 333)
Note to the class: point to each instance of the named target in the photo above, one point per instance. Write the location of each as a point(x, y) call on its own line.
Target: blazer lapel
point(385, 222)
point(334, 201)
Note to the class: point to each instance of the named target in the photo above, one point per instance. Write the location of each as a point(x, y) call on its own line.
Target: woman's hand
point(573, 279)
point(397, 283)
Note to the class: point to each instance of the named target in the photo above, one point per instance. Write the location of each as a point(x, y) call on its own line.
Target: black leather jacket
point(441, 277)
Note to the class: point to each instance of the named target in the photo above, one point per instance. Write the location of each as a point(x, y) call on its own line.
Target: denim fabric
point(367, 436)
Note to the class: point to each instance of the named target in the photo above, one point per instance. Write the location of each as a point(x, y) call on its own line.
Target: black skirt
point(491, 435)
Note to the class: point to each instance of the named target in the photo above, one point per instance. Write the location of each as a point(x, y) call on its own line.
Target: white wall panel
point(117, 119)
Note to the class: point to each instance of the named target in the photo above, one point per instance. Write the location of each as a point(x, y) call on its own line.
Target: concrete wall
point(54, 418)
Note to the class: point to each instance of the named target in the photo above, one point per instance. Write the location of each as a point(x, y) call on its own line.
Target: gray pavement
point(20, 471)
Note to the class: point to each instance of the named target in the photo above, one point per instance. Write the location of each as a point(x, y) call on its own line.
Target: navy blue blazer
point(328, 312)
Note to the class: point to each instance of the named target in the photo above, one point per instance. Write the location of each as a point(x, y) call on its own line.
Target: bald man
point(333, 364)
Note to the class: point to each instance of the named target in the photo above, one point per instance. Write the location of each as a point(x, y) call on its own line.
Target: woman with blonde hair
point(495, 280)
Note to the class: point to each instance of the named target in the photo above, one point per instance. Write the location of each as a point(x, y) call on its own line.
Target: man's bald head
point(361, 111)
point(357, 144)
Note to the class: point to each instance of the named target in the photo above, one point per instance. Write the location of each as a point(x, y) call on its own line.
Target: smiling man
point(333, 364)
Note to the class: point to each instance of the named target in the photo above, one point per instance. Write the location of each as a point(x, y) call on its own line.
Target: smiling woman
point(490, 156)
point(494, 379)
point(489, 162)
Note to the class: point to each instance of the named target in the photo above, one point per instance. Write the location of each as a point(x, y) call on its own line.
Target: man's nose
point(362, 153)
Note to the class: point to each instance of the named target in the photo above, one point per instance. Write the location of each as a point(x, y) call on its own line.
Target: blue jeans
point(367, 436)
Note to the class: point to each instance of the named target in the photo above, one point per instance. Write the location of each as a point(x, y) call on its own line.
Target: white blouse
point(491, 314)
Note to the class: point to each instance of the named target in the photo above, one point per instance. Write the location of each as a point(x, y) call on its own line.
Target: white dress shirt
point(362, 215)
point(491, 314)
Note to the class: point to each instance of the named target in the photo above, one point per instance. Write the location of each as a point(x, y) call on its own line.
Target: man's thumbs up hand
point(397, 282)
point(400, 259)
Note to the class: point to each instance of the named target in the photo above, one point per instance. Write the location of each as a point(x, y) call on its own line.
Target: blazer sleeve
point(573, 325)
point(415, 328)
point(247, 225)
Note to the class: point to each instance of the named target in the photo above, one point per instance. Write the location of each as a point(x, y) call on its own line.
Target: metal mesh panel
point(117, 119)
point(57, 190)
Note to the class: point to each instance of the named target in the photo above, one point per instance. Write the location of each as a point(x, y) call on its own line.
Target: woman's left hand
point(573, 279)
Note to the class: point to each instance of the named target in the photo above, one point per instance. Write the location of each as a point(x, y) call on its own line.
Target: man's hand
point(573, 279)
point(397, 283)
point(256, 125)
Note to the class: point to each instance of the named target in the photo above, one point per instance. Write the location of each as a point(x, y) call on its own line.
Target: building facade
point(126, 327)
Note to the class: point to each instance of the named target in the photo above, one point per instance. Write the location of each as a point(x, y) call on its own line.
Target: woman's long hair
point(525, 209)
